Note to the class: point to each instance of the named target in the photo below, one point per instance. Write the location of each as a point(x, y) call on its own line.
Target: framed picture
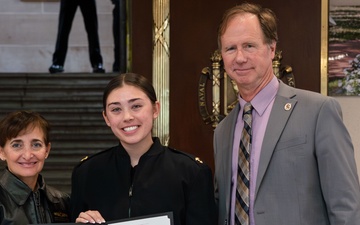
point(340, 48)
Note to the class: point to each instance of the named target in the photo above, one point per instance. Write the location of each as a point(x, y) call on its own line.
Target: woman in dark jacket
point(24, 196)
point(140, 176)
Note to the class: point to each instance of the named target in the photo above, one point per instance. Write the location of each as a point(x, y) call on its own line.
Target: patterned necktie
point(242, 188)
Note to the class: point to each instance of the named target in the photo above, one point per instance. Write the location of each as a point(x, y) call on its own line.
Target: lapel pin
point(198, 159)
point(287, 106)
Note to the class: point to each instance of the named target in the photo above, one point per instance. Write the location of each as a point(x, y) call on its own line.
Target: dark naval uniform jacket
point(19, 205)
point(165, 180)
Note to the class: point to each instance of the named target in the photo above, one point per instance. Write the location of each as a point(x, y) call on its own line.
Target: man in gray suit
point(302, 166)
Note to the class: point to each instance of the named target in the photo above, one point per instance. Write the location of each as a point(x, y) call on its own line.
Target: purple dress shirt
point(262, 104)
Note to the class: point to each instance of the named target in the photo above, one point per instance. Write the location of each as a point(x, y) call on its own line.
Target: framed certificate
point(154, 219)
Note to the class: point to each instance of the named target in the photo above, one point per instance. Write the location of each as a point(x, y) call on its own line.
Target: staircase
point(73, 105)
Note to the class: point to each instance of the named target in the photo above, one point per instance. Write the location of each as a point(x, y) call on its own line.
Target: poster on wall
point(344, 48)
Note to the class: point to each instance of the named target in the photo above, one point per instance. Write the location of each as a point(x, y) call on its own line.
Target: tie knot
point(247, 108)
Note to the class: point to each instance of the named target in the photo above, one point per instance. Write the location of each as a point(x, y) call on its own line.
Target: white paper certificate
point(154, 219)
point(158, 219)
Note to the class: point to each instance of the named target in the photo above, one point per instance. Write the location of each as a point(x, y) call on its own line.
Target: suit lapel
point(228, 144)
point(280, 113)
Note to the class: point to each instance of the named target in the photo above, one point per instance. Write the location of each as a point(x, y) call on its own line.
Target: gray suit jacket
point(307, 173)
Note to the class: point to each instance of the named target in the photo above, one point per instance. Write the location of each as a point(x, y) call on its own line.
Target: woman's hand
point(90, 216)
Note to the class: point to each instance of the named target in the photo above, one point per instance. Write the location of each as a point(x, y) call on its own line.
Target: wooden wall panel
point(141, 37)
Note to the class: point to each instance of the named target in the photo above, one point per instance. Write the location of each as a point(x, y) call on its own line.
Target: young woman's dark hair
point(132, 79)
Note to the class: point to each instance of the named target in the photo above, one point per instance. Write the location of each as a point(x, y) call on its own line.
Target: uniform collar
point(155, 149)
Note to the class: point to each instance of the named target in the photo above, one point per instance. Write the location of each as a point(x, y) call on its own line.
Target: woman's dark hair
point(132, 79)
point(15, 122)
